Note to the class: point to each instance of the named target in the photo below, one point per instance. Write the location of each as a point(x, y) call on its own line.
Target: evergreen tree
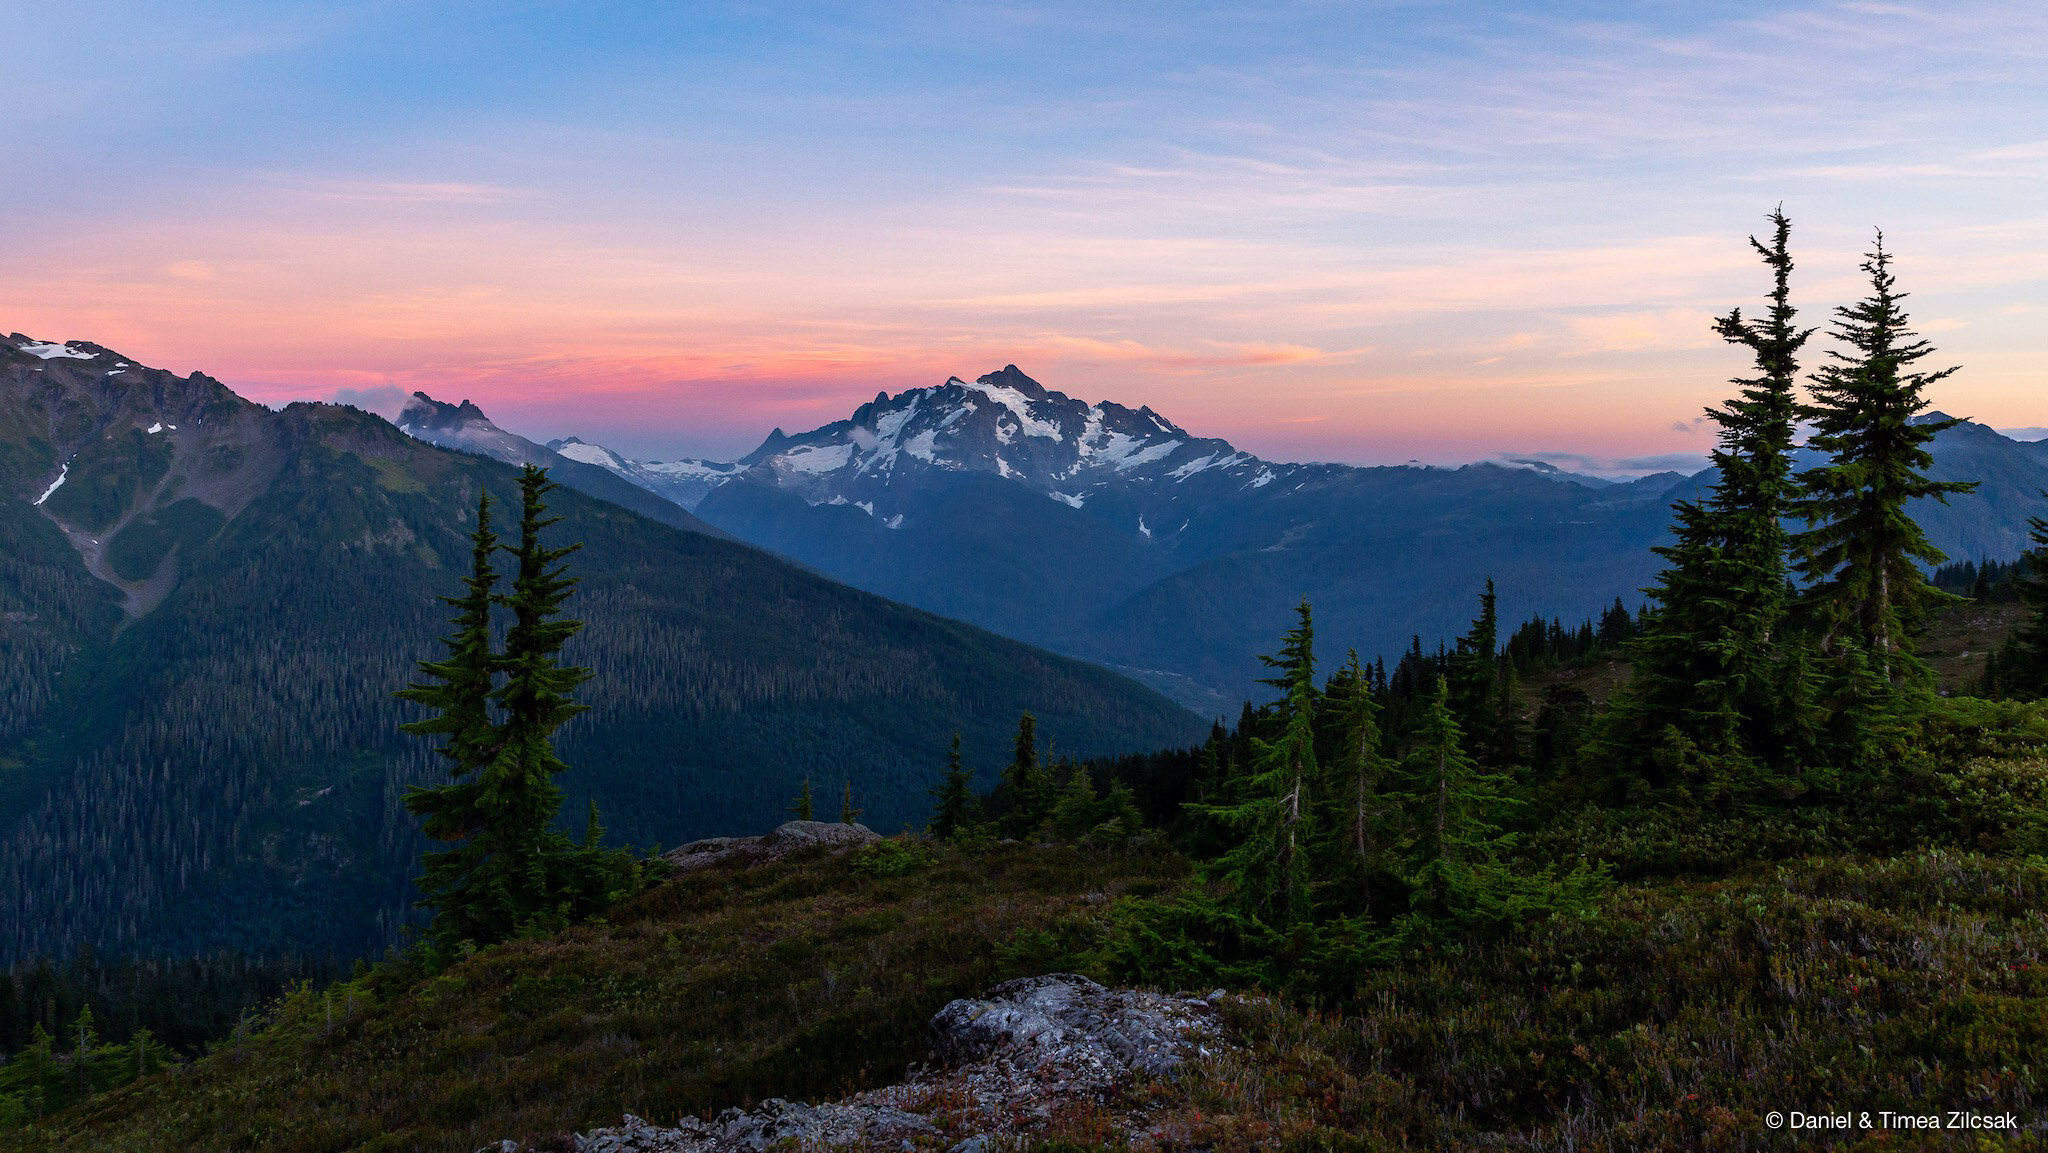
point(803, 807)
point(1266, 867)
point(1617, 625)
point(1073, 813)
point(848, 815)
point(1121, 819)
point(510, 869)
point(1355, 785)
point(1475, 673)
point(1706, 657)
point(460, 687)
point(1030, 804)
point(955, 799)
point(1456, 875)
point(1861, 552)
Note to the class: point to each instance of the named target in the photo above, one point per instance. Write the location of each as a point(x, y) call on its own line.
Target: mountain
point(686, 482)
point(206, 605)
point(464, 428)
point(1106, 531)
point(1109, 532)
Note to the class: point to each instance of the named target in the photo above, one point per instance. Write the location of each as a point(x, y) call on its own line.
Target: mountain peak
point(1003, 422)
point(1009, 376)
point(423, 412)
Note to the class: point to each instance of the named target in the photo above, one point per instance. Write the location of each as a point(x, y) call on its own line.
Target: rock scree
point(1004, 1066)
point(789, 837)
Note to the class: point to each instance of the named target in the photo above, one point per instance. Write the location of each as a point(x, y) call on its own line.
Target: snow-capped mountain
point(1113, 533)
point(465, 428)
point(1005, 424)
point(685, 482)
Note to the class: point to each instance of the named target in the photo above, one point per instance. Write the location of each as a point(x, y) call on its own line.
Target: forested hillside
point(207, 751)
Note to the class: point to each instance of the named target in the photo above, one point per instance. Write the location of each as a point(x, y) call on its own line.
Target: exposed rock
point(1069, 1021)
point(773, 1123)
point(790, 837)
point(1007, 1065)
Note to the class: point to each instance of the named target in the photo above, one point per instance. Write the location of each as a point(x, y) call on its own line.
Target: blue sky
point(1357, 232)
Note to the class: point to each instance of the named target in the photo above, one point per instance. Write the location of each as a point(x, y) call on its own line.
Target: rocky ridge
point(1033, 1053)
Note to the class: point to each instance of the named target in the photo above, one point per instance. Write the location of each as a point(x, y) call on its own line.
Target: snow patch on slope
point(1124, 452)
point(52, 351)
point(817, 460)
point(56, 484)
point(591, 454)
point(1019, 406)
point(691, 468)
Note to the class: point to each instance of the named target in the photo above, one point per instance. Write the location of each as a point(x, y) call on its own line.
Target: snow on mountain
point(465, 427)
point(590, 454)
point(586, 468)
point(1101, 530)
point(686, 482)
point(50, 351)
point(53, 350)
point(1004, 423)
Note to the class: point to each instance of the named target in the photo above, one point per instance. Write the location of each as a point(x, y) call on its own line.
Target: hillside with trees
point(207, 752)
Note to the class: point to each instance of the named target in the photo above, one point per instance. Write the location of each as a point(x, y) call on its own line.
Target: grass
point(807, 980)
point(1959, 639)
point(1677, 1019)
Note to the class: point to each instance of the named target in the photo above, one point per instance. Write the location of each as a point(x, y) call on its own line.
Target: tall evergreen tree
point(510, 868)
point(1861, 552)
point(535, 862)
point(1028, 787)
point(848, 815)
point(1475, 675)
point(1456, 876)
point(803, 807)
point(1266, 867)
point(955, 799)
point(1706, 657)
point(460, 688)
point(1356, 786)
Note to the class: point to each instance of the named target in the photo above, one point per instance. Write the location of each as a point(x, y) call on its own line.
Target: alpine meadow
point(1521, 653)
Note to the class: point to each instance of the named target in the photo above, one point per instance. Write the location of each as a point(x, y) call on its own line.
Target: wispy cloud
point(1362, 233)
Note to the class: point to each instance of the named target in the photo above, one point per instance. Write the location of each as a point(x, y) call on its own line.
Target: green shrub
point(893, 857)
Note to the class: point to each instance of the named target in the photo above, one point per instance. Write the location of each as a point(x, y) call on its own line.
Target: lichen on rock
point(1004, 1066)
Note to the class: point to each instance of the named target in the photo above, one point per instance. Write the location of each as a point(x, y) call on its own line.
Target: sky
point(1364, 232)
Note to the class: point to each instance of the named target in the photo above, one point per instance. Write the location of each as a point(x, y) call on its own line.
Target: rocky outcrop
point(792, 836)
point(1008, 1065)
point(773, 1124)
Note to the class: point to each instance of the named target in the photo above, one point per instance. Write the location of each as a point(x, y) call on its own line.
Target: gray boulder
point(1069, 1021)
point(788, 838)
point(1005, 1066)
